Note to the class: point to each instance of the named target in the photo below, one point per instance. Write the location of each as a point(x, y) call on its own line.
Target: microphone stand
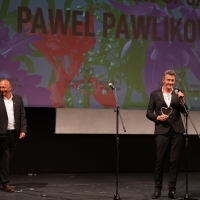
point(117, 196)
point(187, 196)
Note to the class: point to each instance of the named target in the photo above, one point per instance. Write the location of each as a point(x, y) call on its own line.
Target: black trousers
point(7, 149)
point(167, 143)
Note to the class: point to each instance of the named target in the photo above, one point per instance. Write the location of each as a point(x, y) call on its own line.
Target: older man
point(13, 126)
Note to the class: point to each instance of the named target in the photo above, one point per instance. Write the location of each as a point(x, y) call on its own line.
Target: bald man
point(13, 126)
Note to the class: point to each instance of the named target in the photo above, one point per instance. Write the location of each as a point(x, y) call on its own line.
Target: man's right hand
point(162, 117)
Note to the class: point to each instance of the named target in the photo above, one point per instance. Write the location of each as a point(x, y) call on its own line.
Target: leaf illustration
point(126, 47)
point(147, 8)
point(4, 5)
point(11, 20)
point(28, 62)
point(4, 37)
point(19, 44)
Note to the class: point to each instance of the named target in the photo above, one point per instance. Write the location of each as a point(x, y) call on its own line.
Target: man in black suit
point(13, 126)
point(164, 109)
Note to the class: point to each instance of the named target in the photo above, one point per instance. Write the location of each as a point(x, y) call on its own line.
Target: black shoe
point(156, 194)
point(7, 188)
point(172, 195)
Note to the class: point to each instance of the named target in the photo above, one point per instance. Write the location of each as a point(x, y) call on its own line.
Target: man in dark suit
point(13, 126)
point(164, 109)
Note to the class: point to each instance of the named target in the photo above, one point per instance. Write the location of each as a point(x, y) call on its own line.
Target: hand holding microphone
point(179, 94)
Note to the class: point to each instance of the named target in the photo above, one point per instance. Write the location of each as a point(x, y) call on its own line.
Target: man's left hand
point(22, 135)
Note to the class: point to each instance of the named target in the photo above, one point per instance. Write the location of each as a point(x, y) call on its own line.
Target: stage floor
point(101, 186)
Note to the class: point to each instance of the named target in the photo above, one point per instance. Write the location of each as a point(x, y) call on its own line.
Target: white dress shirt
point(167, 97)
point(10, 112)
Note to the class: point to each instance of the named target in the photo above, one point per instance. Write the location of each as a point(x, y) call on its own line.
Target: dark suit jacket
point(156, 102)
point(19, 115)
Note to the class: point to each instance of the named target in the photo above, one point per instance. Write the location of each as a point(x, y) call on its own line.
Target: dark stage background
point(43, 151)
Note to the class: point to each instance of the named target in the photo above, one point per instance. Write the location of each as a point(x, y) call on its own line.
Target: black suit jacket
point(156, 102)
point(19, 115)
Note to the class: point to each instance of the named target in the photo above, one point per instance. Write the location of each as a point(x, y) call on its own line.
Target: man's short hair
point(170, 72)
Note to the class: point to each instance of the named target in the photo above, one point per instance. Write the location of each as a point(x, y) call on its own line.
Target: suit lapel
point(14, 104)
point(160, 94)
point(173, 97)
point(2, 104)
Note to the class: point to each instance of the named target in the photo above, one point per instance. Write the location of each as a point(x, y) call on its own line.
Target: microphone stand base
point(187, 197)
point(116, 197)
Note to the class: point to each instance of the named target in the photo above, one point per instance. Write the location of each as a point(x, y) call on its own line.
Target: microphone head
point(111, 85)
point(176, 90)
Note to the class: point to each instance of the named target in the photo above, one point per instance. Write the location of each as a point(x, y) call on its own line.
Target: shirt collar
point(169, 92)
point(7, 98)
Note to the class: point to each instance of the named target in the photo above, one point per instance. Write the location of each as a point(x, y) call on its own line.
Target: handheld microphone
point(176, 90)
point(112, 86)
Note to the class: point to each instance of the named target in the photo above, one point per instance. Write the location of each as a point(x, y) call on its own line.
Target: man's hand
point(162, 117)
point(22, 135)
point(181, 96)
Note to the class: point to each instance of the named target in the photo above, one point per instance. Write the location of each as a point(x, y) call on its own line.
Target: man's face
point(168, 81)
point(5, 88)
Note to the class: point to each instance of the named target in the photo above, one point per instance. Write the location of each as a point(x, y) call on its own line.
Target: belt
point(10, 131)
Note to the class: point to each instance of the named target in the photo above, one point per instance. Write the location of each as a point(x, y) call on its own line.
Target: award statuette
point(166, 110)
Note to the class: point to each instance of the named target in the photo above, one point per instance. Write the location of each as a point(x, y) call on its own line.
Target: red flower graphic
point(55, 47)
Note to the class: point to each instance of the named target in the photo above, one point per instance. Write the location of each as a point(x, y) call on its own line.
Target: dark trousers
point(7, 149)
point(167, 143)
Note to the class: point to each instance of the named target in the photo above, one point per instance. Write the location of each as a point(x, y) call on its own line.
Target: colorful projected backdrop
point(65, 53)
